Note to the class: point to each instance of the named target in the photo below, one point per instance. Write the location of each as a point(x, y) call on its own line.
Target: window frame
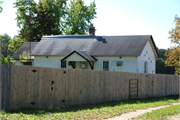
point(63, 64)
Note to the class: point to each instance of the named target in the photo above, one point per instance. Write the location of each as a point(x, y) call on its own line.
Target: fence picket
point(39, 85)
point(3, 86)
point(56, 88)
point(63, 87)
point(12, 87)
point(92, 87)
point(73, 87)
point(23, 68)
point(86, 86)
point(101, 92)
point(36, 85)
point(77, 88)
point(67, 87)
point(177, 85)
point(70, 79)
point(48, 87)
point(105, 87)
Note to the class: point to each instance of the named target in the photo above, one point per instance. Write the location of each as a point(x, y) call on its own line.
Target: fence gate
point(133, 88)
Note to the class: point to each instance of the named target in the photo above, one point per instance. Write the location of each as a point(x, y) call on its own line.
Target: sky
point(118, 17)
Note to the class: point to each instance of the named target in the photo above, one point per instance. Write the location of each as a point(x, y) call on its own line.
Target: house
point(131, 53)
point(25, 47)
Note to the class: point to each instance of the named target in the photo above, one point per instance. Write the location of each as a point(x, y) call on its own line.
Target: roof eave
point(78, 54)
point(155, 47)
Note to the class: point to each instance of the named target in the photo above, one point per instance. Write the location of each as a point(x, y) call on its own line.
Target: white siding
point(51, 61)
point(18, 62)
point(147, 55)
point(129, 63)
point(75, 57)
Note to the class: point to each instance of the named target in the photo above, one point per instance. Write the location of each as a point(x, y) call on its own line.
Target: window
point(119, 63)
point(27, 63)
point(63, 64)
point(145, 67)
point(106, 65)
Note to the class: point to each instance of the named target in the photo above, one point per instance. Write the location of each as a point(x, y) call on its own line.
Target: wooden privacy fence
point(46, 88)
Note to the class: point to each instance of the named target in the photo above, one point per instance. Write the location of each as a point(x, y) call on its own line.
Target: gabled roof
point(131, 45)
point(25, 47)
point(82, 54)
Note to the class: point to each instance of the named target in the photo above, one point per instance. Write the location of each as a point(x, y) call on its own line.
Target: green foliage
point(161, 53)
point(103, 110)
point(2, 59)
point(5, 60)
point(161, 68)
point(15, 44)
point(160, 114)
point(53, 17)
point(23, 57)
point(36, 20)
point(1, 8)
point(79, 17)
point(4, 45)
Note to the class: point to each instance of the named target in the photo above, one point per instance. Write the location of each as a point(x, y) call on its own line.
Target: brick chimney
point(91, 30)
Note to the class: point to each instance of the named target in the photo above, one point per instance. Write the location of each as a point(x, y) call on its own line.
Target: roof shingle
point(25, 47)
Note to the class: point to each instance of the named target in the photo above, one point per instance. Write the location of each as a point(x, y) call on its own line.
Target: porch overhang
point(84, 55)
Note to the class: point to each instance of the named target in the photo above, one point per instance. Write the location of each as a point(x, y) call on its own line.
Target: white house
point(132, 53)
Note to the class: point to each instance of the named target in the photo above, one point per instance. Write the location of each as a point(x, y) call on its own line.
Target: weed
point(89, 111)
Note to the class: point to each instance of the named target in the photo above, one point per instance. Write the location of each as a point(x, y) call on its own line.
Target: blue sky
point(118, 17)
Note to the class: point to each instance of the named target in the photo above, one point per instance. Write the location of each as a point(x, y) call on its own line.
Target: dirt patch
point(174, 117)
point(128, 116)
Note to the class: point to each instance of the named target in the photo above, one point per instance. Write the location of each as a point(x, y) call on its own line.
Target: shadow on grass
point(75, 108)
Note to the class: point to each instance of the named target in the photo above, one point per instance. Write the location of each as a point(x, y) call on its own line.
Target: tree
point(79, 17)
point(162, 53)
point(36, 20)
point(4, 45)
point(15, 44)
point(173, 58)
point(1, 8)
point(53, 17)
point(162, 69)
point(22, 57)
point(160, 64)
point(6, 60)
point(173, 53)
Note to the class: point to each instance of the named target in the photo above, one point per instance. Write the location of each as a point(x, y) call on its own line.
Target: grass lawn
point(89, 111)
point(160, 114)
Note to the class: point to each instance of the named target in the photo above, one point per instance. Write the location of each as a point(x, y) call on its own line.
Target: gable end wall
point(149, 57)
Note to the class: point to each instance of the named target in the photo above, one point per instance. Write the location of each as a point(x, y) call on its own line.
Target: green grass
point(89, 111)
point(160, 114)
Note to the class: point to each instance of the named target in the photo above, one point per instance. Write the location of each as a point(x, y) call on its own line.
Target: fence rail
point(47, 88)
